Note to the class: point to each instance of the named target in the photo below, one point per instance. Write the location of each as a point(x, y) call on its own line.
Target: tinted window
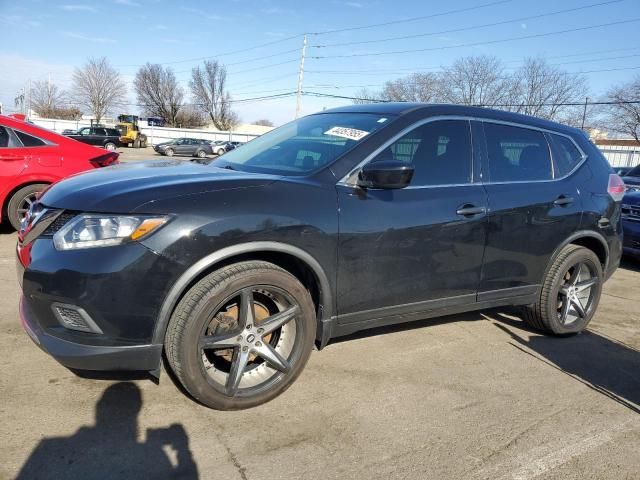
point(517, 154)
point(440, 152)
point(113, 132)
point(565, 154)
point(85, 131)
point(4, 137)
point(100, 131)
point(28, 140)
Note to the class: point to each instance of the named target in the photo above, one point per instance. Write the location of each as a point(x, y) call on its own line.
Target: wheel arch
point(296, 261)
point(590, 239)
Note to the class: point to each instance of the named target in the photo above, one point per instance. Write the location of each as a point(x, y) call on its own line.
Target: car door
point(184, 147)
point(419, 248)
point(533, 208)
point(13, 158)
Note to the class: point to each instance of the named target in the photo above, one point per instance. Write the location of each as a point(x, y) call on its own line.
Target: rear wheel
point(21, 201)
point(136, 143)
point(570, 293)
point(201, 154)
point(110, 146)
point(241, 335)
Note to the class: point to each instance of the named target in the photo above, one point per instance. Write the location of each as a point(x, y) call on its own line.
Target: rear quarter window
point(29, 140)
point(566, 155)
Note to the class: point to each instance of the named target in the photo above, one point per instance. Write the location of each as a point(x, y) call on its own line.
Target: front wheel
point(570, 293)
point(21, 201)
point(241, 335)
point(169, 152)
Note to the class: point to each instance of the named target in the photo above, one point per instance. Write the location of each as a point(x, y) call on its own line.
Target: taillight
point(616, 187)
point(105, 160)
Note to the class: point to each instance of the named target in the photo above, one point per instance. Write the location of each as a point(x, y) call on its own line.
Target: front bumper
point(90, 357)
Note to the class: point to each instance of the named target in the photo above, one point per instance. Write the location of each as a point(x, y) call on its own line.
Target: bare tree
point(542, 89)
point(264, 122)
point(158, 92)
point(98, 87)
point(208, 87)
point(46, 98)
point(364, 95)
point(476, 81)
point(417, 87)
point(190, 117)
point(624, 117)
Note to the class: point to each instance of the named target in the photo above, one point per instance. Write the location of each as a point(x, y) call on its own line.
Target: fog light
point(74, 318)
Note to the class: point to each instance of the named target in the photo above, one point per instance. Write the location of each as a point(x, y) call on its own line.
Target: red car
point(31, 158)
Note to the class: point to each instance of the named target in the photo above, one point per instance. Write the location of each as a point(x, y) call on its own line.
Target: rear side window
point(100, 131)
point(29, 140)
point(517, 154)
point(565, 154)
point(439, 151)
point(7, 139)
point(113, 132)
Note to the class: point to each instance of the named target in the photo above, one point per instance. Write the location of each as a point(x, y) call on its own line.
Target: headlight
point(96, 230)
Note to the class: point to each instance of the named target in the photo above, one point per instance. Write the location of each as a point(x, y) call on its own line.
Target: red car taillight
point(105, 160)
point(616, 187)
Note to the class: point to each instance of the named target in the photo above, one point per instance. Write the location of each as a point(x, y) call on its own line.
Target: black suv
point(340, 221)
point(108, 138)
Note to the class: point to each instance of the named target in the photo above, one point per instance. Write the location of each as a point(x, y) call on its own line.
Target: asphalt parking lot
point(467, 396)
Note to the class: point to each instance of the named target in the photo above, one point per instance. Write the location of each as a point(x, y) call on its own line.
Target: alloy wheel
point(26, 203)
point(250, 341)
point(576, 294)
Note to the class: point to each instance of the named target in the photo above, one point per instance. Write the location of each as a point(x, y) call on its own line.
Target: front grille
point(59, 222)
point(631, 212)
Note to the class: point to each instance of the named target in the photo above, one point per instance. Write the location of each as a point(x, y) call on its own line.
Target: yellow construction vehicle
point(130, 131)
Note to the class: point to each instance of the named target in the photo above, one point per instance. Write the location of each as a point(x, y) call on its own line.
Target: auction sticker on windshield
point(345, 132)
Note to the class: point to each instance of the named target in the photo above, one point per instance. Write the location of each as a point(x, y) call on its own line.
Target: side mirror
point(387, 174)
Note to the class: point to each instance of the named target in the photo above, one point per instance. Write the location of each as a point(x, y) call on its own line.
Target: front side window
point(304, 145)
point(85, 131)
point(440, 152)
point(517, 154)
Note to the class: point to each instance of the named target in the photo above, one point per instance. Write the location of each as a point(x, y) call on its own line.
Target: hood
point(631, 198)
point(631, 180)
point(126, 186)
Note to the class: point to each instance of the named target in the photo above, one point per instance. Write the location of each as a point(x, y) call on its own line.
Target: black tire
point(558, 295)
point(201, 154)
point(220, 151)
point(20, 201)
point(169, 152)
point(201, 314)
point(136, 143)
point(143, 142)
point(110, 146)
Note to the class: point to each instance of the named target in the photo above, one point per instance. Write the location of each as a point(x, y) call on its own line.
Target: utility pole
point(584, 112)
point(301, 77)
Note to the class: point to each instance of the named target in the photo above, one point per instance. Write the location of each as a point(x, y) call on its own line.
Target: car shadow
point(601, 363)
point(110, 448)
point(6, 228)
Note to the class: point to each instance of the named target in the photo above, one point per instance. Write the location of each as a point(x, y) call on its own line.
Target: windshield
point(304, 145)
point(634, 172)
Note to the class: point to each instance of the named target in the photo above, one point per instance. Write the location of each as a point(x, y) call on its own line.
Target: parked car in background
point(631, 223)
point(223, 146)
point(104, 137)
point(31, 158)
point(632, 179)
point(348, 219)
point(185, 146)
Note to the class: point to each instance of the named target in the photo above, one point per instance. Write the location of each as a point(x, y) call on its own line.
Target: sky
point(260, 42)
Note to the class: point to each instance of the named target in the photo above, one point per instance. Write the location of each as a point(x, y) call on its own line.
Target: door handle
point(468, 210)
point(563, 200)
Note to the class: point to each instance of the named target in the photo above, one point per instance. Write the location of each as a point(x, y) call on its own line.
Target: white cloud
point(354, 4)
point(128, 3)
point(86, 38)
point(78, 7)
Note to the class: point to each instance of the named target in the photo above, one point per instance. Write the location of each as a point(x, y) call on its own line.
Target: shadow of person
point(110, 449)
point(601, 363)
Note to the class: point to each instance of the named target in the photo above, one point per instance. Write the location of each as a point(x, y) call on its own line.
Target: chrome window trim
point(347, 181)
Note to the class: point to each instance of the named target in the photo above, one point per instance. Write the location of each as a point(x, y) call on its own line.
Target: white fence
point(621, 155)
point(154, 134)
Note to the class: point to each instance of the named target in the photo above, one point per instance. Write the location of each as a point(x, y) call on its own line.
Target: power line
point(474, 44)
point(412, 19)
point(473, 27)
